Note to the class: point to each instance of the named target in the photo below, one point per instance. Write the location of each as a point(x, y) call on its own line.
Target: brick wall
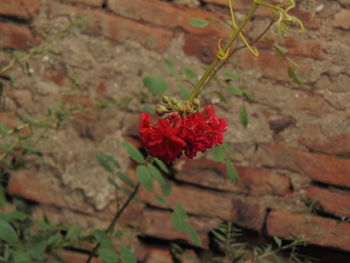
point(295, 148)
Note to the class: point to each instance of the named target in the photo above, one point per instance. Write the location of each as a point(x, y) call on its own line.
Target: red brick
point(305, 48)
point(195, 201)
point(342, 19)
point(56, 77)
point(313, 229)
point(319, 167)
point(157, 224)
point(8, 119)
point(248, 214)
point(21, 8)
point(204, 48)
point(94, 3)
point(117, 28)
point(253, 181)
point(16, 36)
point(335, 202)
point(76, 257)
point(159, 255)
point(318, 140)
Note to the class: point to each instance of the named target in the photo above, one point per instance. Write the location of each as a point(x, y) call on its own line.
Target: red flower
point(172, 135)
point(162, 140)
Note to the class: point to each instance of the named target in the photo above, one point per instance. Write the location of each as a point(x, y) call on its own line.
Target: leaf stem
point(201, 83)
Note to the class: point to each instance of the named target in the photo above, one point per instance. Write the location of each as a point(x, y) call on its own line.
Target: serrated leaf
point(103, 239)
point(155, 85)
point(170, 67)
point(293, 76)
point(220, 96)
point(218, 153)
point(231, 171)
point(108, 255)
point(178, 218)
point(7, 233)
point(162, 181)
point(192, 233)
point(189, 73)
point(161, 165)
point(144, 177)
point(247, 94)
point(234, 90)
point(231, 75)
point(127, 256)
point(126, 179)
point(134, 153)
point(198, 22)
point(243, 116)
point(183, 91)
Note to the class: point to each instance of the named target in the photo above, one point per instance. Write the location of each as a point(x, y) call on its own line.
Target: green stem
point(215, 62)
point(111, 226)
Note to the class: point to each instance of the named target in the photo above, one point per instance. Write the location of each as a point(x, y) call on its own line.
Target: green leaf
point(192, 233)
point(128, 193)
point(234, 90)
point(144, 177)
point(243, 116)
point(231, 75)
point(197, 22)
point(292, 62)
point(103, 161)
point(134, 153)
point(37, 245)
point(103, 239)
point(178, 218)
point(218, 153)
point(108, 255)
point(2, 196)
point(7, 233)
point(293, 76)
point(118, 234)
point(220, 96)
point(247, 94)
point(161, 165)
point(127, 256)
point(228, 148)
point(231, 171)
point(219, 236)
point(162, 200)
point(281, 49)
point(55, 239)
point(73, 232)
point(18, 215)
point(170, 67)
point(111, 181)
point(21, 257)
point(148, 108)
point(189, 74)
point(126, 179)
point(183, 91)
point(155, 85)
point(163, 182)
point(278, 241)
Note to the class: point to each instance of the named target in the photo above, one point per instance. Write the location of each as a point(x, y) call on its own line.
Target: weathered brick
point(76, 257)
point(94, 3)
point(313, 229)
point(253, 181)
point(159, 255)
point(117, 28)
point(320, 167)
point(318, 140)
point(333, 201)
point(342, 19)
point(204, 48)
point(16, 36)
point(248, 214)
point(20, 8)
point(158, 224)
point(305, 48)
point(194, 201)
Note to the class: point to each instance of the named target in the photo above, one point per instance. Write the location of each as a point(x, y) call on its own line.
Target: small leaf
point(37, 245)
point(218, 153)
point(111, 181)
point(243, 116)
point(108, 255)
point(220, 96)
point(278, 241)
point(183, 91)
point(155, 85)
point(162, 200)
point(170, 67)
point(197, 22)
point(21, 257)
point(189, 74)
point(292, 62)
point(118, 234)
point(73, 232)
point(144, 177)
point(228, 148)
point(281, 49)
point(148, 108)
point(7, 233)
point(128, 193)
point(104, 162)
point(192, 233)
point(125, 179)
point(161, 165)
point(127, 256)
point(2, 196)
point(293, 76)
point(163, 182)
point(234, 90)
point(247, 94)
point(103, 239)
point(178, 218)
point(231, 171)
point(231, 75)
point(134, 153)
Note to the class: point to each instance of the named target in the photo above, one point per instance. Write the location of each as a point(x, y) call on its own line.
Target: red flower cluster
point(172, 136)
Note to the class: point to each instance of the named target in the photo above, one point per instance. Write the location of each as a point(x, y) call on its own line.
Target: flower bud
point(196, 102)
point(160, 110)
point(165, 99)
point(174, 101)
